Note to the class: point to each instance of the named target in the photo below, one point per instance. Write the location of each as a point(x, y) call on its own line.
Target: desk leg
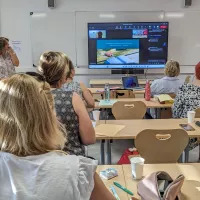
point(109, 156)
point(181, 159)
point(187, 155)
point(102, 156)
point(158, 113)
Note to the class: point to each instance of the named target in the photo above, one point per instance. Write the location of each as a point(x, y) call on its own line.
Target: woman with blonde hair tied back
point(69, 106)
point(32, 164)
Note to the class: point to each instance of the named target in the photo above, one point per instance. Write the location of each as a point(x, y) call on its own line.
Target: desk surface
point(120, 179)
point(149, 104)
point(191, 186)
point(113, 81)
point(134, 127)
point(101, 91)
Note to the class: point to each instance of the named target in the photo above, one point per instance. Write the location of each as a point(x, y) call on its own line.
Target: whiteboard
point(67, 32)
point(53, 31)
point(184, 36)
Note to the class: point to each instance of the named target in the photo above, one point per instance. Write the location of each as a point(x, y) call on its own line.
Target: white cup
point(137, 165)
point(96, 115)
point(191, 116)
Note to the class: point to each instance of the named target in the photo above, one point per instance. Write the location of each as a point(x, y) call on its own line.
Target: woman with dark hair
point(8, 58)
point(77, 87)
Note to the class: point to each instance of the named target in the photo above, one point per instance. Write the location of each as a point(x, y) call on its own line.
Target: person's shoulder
point(75, 163)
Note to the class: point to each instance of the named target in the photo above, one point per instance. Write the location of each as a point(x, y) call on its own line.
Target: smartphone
point(187, 127)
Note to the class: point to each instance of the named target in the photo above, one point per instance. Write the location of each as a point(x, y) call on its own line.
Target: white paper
point(16, 45)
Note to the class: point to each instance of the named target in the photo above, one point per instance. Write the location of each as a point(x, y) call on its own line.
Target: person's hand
point(11, 51)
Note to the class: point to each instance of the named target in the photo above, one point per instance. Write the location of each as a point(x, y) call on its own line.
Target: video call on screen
point(128, 45)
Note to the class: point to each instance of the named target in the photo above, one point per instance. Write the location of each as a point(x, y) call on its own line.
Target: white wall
point(14, 17)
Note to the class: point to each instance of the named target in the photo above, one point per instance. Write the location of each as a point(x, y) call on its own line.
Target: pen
point(114, 192)
point(123, 188)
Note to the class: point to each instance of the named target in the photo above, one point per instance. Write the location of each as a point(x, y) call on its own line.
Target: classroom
point(99, 100)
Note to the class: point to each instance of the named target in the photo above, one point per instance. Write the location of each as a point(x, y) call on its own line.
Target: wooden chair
point(161, 146)
point(129, 110)
point(187, 79)
point(197, 115)
point(166, 113)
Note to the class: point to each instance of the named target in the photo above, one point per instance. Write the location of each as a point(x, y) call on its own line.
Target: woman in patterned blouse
point(8, 58)
point(188, 97)
point(70, 108)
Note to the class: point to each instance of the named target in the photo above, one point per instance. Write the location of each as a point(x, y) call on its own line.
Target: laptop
point(131, 83)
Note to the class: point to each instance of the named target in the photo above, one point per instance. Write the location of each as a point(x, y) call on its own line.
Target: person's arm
point(87, 96)
point(86, 129)
point(14, 57)
point(100, 191)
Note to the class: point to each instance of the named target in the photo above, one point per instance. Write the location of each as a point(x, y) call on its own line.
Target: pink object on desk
point(147, 91)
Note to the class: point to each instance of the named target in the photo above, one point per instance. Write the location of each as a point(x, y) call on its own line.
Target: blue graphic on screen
point(130, 82)
point(118, 51)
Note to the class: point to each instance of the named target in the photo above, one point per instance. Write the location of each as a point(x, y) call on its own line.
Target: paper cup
point(137, 165)
point(96, 115)
point(191, 116)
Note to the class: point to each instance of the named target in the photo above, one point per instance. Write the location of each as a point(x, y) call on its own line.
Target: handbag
point(160, 186)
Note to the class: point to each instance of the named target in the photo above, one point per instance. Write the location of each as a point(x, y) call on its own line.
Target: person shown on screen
point(77, 87)
point(100, 35)
point(32, 164)
point(8, 58)
point(70, 108)
point(170, 83)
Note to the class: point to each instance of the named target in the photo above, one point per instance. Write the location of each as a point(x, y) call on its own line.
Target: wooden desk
point(120, 179)
point(191, 186)
point(193, 124)
point(133, 127)
point(149, 104)
point(101, 91)
point(113, 82)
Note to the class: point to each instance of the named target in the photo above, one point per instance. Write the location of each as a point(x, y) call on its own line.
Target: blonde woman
point(170, 83)
point(69, 106)
point(31, 163)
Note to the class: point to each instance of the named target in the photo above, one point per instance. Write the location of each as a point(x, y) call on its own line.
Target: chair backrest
point(187, 79)
point(161, 146)
point(129, 110)
point(197, 115)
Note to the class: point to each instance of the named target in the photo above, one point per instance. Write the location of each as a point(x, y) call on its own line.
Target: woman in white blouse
point(32, 164)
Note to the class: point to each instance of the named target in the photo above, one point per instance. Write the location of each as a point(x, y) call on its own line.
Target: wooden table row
point(190, 188)
point(130, 128)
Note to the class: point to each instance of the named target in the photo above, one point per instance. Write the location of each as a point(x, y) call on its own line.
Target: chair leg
point(199, 151)
point(186, 155)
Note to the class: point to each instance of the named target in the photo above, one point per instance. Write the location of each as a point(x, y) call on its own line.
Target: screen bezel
point(127, 64)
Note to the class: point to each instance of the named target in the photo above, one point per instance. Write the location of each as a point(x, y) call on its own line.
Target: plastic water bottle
point(107, 92)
